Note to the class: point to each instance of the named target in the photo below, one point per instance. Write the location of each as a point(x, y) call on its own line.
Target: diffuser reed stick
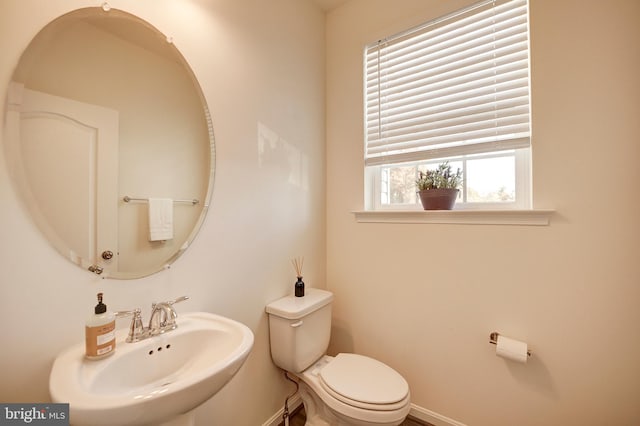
point(299, 286)
point(297, 265)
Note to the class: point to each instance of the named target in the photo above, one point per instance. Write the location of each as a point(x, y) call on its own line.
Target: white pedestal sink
point(156, 381)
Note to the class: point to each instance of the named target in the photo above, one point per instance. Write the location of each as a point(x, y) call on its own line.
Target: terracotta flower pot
point(438, 199)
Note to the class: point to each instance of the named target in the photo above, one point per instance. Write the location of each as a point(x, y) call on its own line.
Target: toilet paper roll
point(512, 349)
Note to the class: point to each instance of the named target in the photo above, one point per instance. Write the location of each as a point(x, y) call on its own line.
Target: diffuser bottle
point(299, 285)
point(299, 288)
point(100, 332)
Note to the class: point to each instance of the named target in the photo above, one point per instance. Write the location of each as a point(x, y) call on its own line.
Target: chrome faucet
point(163, 319)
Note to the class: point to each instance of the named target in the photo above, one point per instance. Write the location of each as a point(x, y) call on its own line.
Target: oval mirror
point(109, 141)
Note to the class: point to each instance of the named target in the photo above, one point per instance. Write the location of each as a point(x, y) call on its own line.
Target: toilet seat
point(316, 392)
point(364, 382)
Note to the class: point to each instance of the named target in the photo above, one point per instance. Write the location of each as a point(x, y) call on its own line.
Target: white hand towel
point(160, 219)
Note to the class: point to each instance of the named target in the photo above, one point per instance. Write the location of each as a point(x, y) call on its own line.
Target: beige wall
point(265, 90)
point(424, 298)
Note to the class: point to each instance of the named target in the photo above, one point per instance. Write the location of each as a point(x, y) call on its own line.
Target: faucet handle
point(171, 318)
point(124, 314)
point(137, 331)
point(171, 302)
point(179, 299)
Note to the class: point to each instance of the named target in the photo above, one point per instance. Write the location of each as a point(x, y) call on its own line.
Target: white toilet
point(347, 389)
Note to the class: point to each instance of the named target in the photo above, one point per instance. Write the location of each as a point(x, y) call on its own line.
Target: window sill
point(461, 217)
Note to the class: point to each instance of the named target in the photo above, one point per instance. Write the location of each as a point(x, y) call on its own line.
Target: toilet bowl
point(352, 389)
point(348, 389)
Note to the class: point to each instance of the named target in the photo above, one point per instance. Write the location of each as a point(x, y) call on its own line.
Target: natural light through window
point(455, 89)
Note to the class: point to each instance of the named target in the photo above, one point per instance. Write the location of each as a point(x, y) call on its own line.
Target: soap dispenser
point(100, 332)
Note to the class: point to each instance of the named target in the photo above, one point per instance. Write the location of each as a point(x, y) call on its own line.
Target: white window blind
point(457, 85)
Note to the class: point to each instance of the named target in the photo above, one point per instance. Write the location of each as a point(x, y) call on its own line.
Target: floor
point(298, 418)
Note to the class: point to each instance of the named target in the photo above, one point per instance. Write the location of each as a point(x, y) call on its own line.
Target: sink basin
point(154, 380)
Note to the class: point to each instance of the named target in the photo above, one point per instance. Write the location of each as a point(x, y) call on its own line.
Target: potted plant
point(438, 189)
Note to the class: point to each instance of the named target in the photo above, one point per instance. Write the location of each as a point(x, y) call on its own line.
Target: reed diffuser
point(297, 265)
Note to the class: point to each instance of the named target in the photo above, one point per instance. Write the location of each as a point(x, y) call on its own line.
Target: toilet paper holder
point(493, 339)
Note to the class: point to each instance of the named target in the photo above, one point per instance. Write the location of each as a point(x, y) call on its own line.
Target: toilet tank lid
point(291, 307)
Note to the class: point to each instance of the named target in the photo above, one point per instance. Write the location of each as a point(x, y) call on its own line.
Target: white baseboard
point(432, 417)
point(416, 412)
point(275, 420)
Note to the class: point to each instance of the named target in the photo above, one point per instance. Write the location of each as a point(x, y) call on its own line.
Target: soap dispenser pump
point(100, 332)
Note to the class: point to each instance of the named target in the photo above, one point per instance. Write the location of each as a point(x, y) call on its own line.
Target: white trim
point(416, 412)
point(275, 420)
point(429, 416)
point(460, 217)
point(524, 196)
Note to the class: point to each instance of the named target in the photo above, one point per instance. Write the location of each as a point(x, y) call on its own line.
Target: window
point(455, 89)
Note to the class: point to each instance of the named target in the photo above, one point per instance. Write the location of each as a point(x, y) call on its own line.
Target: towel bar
point(127, 199)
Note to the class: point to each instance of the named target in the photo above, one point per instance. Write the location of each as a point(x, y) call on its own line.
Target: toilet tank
point(299, 329)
